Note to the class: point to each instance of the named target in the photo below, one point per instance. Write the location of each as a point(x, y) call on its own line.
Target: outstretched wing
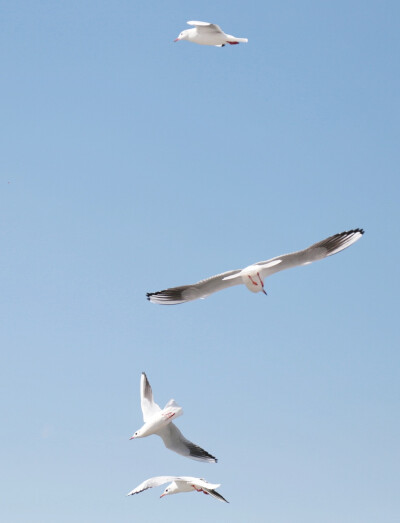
point(201, 289)
point(150, 483)
point(215, 494)
point(199, 482)
point(202, 484)
point(149, 407)
point(206, 26)
point(174, 440)
point(318, 251)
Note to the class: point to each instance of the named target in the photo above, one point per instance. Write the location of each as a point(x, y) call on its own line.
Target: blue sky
point(130, 164)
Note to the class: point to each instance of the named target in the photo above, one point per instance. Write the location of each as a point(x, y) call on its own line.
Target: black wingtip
point(351, 231)
point(217, 495)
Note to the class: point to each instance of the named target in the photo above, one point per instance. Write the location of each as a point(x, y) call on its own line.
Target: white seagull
point(205, 33)
point(157, 421)
point(179, 484)
point(253, 276)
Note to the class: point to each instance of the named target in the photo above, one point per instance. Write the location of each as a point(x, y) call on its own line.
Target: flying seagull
point(157, 421)
point(179, 484)
point(254, 275)
point(205, 33)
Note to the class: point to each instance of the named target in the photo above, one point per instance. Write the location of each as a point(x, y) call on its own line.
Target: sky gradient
point(129, 164)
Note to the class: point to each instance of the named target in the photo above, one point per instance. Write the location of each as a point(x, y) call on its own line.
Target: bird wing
point(199, 482)
point(174, 440)
point(201, 289)
point(206, 26)
point(209, 488)
point(318, 251)
point(215, 494)
point(149, 406)
point(150, 483)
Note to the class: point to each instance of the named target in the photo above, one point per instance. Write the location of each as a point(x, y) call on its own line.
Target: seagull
point(157, 421)
point(179, 484)
point(205, 33)
point(253, 276)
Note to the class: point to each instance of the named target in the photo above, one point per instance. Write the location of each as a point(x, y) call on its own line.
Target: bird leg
point(199, 490)
point(262, 283)
point(252, 281)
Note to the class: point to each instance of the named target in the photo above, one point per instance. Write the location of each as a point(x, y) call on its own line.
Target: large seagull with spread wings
point(254, 275)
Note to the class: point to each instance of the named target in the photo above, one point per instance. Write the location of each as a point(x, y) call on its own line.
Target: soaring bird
point(254, 275)
point(179, 484)
point(205, 33)
point(157, 421)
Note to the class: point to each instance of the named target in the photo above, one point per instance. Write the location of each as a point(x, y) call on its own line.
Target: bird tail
point(233, 40)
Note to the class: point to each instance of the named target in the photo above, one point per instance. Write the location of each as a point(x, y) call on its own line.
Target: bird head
point(171, 489)
point(183, 35)
point(136, 435)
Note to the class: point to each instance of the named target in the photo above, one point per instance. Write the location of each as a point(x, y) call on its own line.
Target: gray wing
point(149, 407)
point(215, 494)
point(318, 251)
point(150, 483)
point(204, 485)
point(201, 289)
point(174, 440)
point(206, 27)
point(199, 482)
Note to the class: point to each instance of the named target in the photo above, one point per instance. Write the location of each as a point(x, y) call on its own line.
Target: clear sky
point(128, 164)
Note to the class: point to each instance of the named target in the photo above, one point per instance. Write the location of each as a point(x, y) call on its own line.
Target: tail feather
point(233, 40)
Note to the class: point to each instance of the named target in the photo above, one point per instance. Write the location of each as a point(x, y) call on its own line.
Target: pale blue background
point(129, 164)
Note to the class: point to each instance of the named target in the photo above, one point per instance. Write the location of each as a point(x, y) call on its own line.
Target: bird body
point(179, 484)
point(205, 33)
point(254, 275)
point(159, 421)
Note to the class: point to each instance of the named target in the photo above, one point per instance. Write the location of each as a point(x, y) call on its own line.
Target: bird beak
point(162, 495)
point(132, 437)
point(177, 39)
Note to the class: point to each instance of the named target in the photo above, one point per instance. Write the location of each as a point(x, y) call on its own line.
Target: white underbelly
point(209, 39)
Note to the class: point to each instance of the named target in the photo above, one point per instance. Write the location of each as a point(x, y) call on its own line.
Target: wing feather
point(201, 289)
point(206, 26)
point(215, 494)
point(315, 252)
point(150, 483)
point(174, 440)
point(149, 406)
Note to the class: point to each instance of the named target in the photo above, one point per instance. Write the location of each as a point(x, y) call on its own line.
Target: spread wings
point(174, 440)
